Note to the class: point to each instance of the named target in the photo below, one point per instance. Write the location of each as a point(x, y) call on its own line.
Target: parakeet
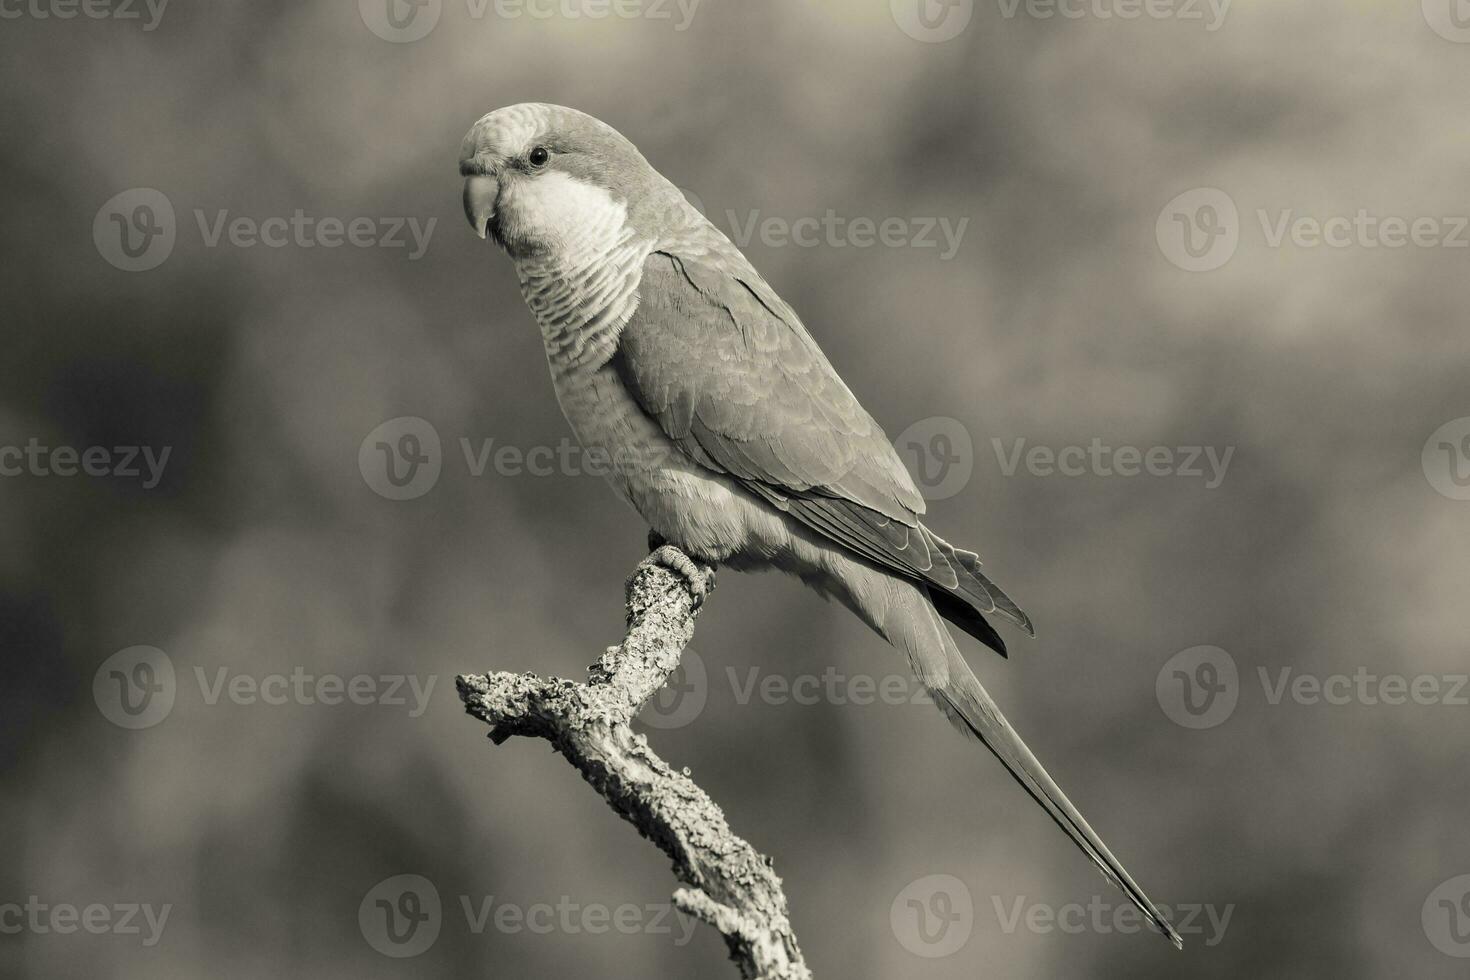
point(731, 433)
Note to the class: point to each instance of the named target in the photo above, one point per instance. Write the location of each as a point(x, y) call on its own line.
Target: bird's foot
point(699, 578)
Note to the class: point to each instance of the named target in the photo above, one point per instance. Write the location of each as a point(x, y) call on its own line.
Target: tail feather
point(975, 589)
point(972, 710)
point(963, 615)
point(905, 615)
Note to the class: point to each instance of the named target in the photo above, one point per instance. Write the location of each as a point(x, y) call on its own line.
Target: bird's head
point(542, 179)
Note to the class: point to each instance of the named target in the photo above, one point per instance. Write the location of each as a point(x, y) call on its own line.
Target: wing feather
point(732, 376)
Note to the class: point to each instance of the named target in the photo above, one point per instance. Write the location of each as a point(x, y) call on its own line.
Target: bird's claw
point(700, 579)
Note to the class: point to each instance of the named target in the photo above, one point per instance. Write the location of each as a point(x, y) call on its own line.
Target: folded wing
point(732, 376)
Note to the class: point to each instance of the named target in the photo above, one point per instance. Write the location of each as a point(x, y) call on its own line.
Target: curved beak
point(480, 192)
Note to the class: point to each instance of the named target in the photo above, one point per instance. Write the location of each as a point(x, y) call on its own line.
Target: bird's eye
point(539, 156)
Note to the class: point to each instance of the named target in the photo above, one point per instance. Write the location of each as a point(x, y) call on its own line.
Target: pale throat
point(584, 289)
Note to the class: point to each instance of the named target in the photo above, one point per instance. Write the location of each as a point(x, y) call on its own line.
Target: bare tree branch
point(728, 884)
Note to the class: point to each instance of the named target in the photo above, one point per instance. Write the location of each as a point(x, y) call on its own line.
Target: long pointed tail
point(905, 616)
point(972, 710)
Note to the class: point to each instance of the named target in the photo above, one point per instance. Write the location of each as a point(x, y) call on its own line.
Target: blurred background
point(281, 458)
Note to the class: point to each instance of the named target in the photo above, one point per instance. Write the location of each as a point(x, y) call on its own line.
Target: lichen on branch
point(727, 883)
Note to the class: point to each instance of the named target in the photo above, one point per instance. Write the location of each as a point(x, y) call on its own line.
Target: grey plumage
point(737, 441)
